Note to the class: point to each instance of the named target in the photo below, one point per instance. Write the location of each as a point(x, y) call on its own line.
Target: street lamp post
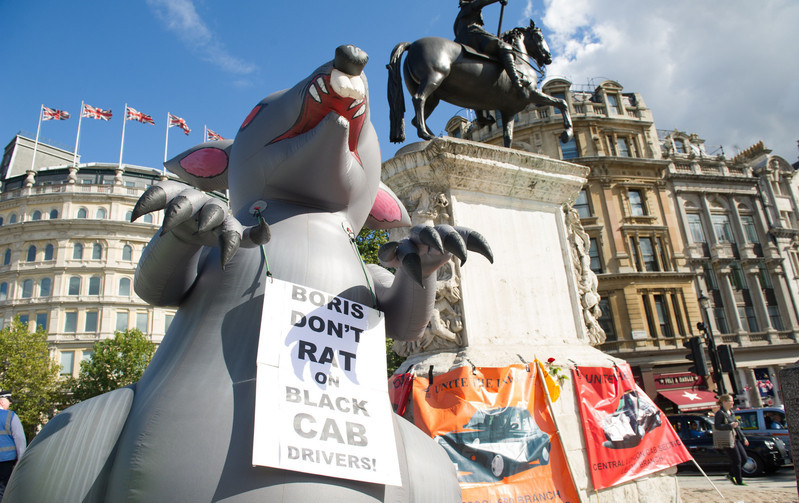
point(704, 326)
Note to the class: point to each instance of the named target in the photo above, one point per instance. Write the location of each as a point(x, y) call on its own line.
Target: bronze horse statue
point(440, 69)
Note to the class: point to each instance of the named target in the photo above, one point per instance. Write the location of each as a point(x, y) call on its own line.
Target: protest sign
point(495, 426)
point(626, 435)
point(321, 401)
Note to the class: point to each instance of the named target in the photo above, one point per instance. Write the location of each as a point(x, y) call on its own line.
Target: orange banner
point(626, 435)
point(498, 431)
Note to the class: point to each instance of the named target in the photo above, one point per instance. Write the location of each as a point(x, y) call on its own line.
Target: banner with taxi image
point(495, 426)
point(626, 435)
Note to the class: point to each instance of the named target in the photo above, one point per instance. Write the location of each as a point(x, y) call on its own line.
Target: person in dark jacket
point(725, 420)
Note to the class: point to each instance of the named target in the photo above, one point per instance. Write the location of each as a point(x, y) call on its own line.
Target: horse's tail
point(396, 99)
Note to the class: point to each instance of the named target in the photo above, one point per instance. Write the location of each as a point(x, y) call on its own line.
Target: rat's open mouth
point(320, 100)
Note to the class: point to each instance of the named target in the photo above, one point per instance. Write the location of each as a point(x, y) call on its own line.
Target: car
point(765, 421)
point(765, 454)
point(495, 444)
point(635, 416)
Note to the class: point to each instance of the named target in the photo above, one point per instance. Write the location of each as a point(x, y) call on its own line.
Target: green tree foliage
point(114, 363)
point(369, 242)
point(29, 373)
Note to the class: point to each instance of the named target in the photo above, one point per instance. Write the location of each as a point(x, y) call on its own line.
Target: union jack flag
point(95, 113)
point(212, 136)
point(51, 113)
point(132, 114)
point(177, 121)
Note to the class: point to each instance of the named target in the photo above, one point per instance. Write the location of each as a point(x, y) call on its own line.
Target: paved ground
point(778, 487)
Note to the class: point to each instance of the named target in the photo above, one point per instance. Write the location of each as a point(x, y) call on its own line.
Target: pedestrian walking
point(728, 435)
point(12, 440)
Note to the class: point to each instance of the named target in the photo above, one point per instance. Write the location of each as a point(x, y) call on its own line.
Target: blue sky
point(209, 62)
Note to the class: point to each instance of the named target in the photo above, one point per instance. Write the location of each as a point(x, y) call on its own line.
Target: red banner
point(495, 426)
point(626, 435)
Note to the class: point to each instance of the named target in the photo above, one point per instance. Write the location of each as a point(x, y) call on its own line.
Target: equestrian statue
point(478, 70)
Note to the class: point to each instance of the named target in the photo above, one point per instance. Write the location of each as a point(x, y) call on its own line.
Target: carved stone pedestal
point(538, 298)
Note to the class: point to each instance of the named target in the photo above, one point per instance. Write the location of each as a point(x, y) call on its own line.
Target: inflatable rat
point(304, 177)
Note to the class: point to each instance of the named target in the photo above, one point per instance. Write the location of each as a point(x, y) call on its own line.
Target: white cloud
point(726, 70)
point(182, 18)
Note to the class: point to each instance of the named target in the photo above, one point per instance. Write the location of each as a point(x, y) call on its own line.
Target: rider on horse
point(469, 32)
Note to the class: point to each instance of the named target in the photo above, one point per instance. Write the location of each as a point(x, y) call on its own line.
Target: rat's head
point(311, 145)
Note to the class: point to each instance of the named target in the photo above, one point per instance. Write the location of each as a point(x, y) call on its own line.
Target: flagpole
point(122, 144)
point(36, 142)
point(166, 142)
point(205, 133)
point(541, 378)
point(77, 138)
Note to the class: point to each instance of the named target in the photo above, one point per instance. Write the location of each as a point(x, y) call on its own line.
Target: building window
point(122, 321)
point(86, 355)
point(67, 362)
point(648, 254)
point(31, 254)
point(27, 289)
point(3, 291)
point(596, 260)
point(77, 251)
point(679, 146)
point(44, 287)
point(662, 313)
point(721, 226)
point(7, 257)
point(127, 253)
point(774, 316)
point(582, 205)
point(74, 286)
point(142, 318)
point(83, 213)
point(53, 214)
point(569, 150)
point(613, 103)
point(91, 322)
point(168, 321)
point(148, 218)
point(48, 252)
point(750, 232)
point(747, 316)
point(696, 228)
point(623, 146)
point(37, 215)
point(721, 320)
point(13, 218)
point(94, 285)
point(41, 321)
point(128, 215)
point(606, 320)
point(611, 145)
point(71, 322)
point(124, 287)
point(97, 251)
point(637, 206)
point(101, 214)
point(737, 279)
point(763, 276)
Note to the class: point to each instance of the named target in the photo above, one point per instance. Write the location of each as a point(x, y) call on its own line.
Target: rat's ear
point(203, 166)
point(387, 211)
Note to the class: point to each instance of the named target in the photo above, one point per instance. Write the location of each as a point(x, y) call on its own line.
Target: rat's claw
point(408, 255)
point(211, 216)
point(476, 242)
point(153, 199)
point(427, 235)
point(387, 253)
point(229, 242)
point(453, 242)
point(177, 211)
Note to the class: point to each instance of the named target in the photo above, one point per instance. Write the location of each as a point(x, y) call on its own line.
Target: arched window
point(27, 289)
point(37, 215)
point(44, 287)
point(1, 220)
point(31, 254)
point(77, 251)
point(74, 286)
point(48, 252)
point(94, 285)
point(97, 251)
point(101, 214)
point(127, 253)
point(128, 216)
point(53, 214)
point(3, 291)
point(124, 287)
point(7, 257)
point(148, 218)
point(82, 213)
point(13, 218)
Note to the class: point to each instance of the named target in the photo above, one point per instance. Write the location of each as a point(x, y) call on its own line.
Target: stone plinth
point(538, 298)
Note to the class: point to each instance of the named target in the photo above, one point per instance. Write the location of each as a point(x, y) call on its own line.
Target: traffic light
point(697, 355)
point(726, 358)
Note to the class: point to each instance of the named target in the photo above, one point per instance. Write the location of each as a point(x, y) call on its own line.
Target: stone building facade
point(645, 191)
point(68, 251)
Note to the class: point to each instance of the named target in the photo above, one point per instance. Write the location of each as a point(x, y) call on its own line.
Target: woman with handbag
point(727, 435)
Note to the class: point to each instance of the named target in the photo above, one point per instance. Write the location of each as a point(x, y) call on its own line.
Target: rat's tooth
point(359, 112)
point(315, 94)
point(321, 83)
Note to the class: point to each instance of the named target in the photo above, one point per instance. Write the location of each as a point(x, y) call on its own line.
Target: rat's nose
point(350, 59)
